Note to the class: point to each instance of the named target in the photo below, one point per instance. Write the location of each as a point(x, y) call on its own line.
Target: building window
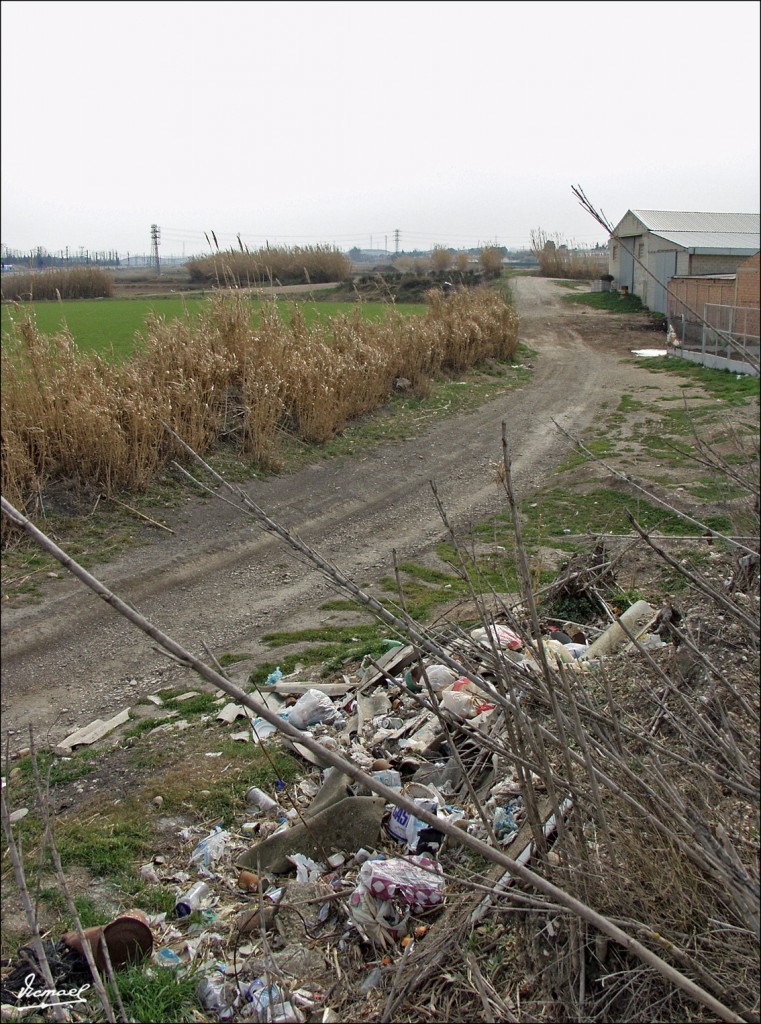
point(640, 249)
point(615, 252)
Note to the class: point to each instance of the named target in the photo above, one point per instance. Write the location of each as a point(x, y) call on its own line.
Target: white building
point(678, 244)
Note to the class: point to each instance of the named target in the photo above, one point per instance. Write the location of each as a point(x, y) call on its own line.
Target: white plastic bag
point(500, 636)
point(440, 677)
point(313, 707)
point(209, 850)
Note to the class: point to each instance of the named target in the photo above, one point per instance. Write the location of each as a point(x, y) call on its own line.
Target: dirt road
point(222, 581)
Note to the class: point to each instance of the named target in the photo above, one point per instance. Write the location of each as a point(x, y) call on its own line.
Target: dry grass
point(311, 264)
point(559, 260)
point(490, 257)
point(74, 416)
point(77, 283)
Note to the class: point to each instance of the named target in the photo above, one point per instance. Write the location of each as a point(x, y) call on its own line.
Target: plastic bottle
point(209, 850)
point(192, 899)
point(261, 994)
point(167, 958)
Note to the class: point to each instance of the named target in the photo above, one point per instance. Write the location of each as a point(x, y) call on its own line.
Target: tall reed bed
point(77, 283)
point(217, 376)
point(559, 260)
point(315, 264)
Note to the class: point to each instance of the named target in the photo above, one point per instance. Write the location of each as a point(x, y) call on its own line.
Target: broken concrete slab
point(334, 789)
point(391, 662)
point(304, 752)
point(230, 712)
point(91, 733)
point(351, 823)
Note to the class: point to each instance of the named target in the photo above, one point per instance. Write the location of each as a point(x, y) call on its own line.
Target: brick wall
point(747, 286)
point(694, 292)
point(747, 299)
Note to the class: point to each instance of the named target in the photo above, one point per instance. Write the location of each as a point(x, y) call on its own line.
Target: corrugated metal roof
point(737, 242)
point(661, 221)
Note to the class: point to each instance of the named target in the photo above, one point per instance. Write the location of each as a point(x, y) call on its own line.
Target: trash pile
point(323, 879)
point(322, 886)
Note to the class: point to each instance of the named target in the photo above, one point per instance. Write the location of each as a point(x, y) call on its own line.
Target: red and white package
point(500, 635)
point(414, 881)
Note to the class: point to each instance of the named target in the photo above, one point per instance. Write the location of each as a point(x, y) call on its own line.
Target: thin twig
point(141, 515)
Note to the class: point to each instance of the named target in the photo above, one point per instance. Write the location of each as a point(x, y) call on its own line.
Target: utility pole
point(396, 240)
point(155, 239)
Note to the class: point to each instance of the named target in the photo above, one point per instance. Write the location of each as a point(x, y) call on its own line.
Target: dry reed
point(77, 283)
point(559, 260)
point(75, 416)
point(311, 264)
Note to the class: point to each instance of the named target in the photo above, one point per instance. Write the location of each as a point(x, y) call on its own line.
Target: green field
point(113, 325)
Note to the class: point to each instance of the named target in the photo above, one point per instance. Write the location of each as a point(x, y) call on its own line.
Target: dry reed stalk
point(43, 802)
point(16, 859)
point(556, 259)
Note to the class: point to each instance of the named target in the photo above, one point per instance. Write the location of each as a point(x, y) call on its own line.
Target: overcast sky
point(340, 122)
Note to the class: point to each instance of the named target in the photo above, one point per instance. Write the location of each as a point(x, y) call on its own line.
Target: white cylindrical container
point(192, 899)
point(261, 799)
point(635, 618)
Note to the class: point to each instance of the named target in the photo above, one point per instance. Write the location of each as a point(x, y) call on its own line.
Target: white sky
point(456, 123)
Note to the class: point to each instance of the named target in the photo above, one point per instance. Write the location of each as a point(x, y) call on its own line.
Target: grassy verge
point(613, 301)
